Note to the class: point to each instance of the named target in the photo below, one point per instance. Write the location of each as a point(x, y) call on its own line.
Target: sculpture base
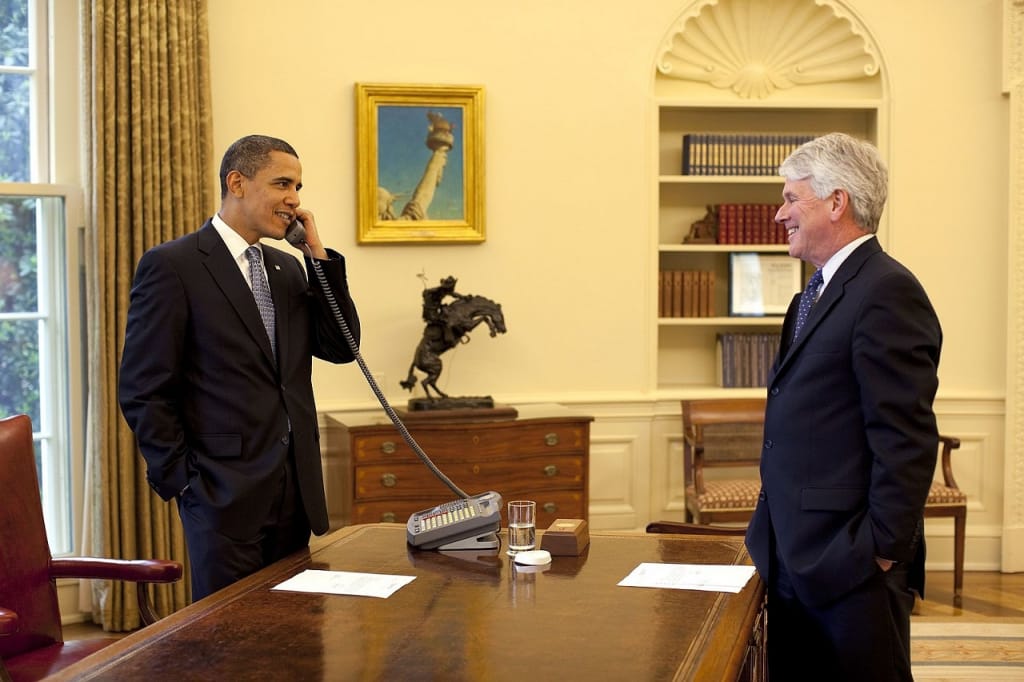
point(456, 409)
point(450, 403)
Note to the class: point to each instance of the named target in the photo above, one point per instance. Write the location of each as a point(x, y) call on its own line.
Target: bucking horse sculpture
point(448, 324)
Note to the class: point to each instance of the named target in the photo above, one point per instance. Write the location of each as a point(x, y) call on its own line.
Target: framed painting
point(420, 169)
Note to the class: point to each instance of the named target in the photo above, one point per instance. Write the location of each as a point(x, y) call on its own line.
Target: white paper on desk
point(346, 582)
point(709, 577)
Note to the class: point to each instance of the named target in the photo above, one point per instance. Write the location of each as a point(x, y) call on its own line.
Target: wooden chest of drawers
point(545, 459)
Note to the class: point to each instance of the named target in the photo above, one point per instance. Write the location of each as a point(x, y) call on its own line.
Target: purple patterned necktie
point(807, 300)
point(261, 292)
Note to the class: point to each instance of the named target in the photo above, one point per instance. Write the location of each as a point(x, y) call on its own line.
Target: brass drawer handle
point(388, 447)
point(389, 480)
point(551, 470)
point(551, 439)
point(388, 517)
point(550, 507)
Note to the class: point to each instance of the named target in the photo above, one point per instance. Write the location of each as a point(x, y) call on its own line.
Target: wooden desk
point(464, 617)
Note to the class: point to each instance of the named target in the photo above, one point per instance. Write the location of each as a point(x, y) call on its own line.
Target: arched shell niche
point(764, 49)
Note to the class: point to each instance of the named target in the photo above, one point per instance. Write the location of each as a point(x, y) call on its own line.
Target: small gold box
point(566, 537)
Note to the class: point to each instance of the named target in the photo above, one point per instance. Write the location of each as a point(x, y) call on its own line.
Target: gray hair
point(838, 161)
point(248, 155)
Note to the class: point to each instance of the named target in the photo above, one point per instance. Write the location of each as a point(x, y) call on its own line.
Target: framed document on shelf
point(762, 284)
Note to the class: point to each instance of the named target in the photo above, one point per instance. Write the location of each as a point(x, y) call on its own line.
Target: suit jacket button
point(284, 440)
point(775, 390)
point(768, 443)
point(761, 496)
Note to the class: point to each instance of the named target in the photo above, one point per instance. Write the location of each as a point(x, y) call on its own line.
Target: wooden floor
point(987, 596)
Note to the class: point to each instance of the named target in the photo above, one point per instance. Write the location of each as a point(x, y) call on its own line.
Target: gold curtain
point(149, 129)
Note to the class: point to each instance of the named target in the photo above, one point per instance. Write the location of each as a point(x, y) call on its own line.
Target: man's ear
point(235, 182)
point(839, 202)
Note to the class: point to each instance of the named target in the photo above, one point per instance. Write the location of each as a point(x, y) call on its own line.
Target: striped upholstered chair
point(718, 434)
point(947, 499)
point(728, 432)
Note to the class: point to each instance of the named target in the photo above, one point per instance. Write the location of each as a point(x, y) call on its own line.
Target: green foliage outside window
point(19, 338)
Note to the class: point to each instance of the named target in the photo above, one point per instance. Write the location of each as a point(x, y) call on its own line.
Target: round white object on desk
point(533, 557)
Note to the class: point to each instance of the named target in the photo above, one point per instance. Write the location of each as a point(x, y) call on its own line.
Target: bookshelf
point(719, 75)
point(688, 364)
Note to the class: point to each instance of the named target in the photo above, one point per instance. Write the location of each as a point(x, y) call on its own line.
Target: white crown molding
point(754, 48)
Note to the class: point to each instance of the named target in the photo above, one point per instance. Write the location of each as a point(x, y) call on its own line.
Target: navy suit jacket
point(201, 390)
point(850, 438)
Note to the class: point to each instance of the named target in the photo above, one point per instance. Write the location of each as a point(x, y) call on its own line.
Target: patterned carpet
point(987, 650)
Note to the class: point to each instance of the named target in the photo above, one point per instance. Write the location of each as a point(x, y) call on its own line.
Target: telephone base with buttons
point(465, 523)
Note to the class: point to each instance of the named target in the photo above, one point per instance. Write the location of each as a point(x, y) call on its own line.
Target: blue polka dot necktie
point(261, 292)
point(807, 300)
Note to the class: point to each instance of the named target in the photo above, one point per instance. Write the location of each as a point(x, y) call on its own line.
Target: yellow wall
point(568, 174)
point(570, 188)
point(570, 207)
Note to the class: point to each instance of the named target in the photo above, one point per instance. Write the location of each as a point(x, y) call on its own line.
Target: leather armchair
point(31, 642)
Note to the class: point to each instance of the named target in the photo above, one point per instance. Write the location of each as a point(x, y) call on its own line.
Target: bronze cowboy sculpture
point(448, 322)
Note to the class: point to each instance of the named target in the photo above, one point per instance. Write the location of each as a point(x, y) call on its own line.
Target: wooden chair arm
point(139, 571)
point(698, 468)
point(948, 445)
point(8, 621)
point(132, 570)
point(693, 447)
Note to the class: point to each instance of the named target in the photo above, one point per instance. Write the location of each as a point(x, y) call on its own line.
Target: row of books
point(745, 358)
point(686, 293)
point(737, 153)
point(749, 224)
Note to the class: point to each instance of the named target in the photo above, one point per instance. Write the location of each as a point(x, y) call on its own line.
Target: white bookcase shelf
point(740, 83)
point(687, 361)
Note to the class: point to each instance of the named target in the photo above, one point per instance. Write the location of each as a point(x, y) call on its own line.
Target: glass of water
point(522, 526)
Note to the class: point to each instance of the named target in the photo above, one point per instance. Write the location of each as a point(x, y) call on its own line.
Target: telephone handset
point(296, 233)
point(468, 522)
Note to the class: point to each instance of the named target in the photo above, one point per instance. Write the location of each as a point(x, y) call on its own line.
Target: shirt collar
point(833, 263)
point(236, 245)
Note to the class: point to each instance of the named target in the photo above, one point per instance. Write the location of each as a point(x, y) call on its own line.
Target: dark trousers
point(862, 637)
point(217, 560)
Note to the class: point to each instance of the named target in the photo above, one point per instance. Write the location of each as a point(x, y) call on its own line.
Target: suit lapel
point(787, 326)
point(829, 298)
point(224, 270)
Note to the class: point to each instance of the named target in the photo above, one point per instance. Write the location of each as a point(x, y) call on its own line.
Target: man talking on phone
point(215, 377)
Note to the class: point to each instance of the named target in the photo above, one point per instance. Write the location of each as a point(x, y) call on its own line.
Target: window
point(40, 327)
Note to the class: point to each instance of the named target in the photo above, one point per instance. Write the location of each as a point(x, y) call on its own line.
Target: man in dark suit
point(850, 438)
point(217, 390)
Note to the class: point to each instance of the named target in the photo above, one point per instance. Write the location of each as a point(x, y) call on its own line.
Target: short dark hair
point(248, 155)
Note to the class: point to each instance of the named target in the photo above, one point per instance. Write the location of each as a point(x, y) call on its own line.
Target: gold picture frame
point(420, 168)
